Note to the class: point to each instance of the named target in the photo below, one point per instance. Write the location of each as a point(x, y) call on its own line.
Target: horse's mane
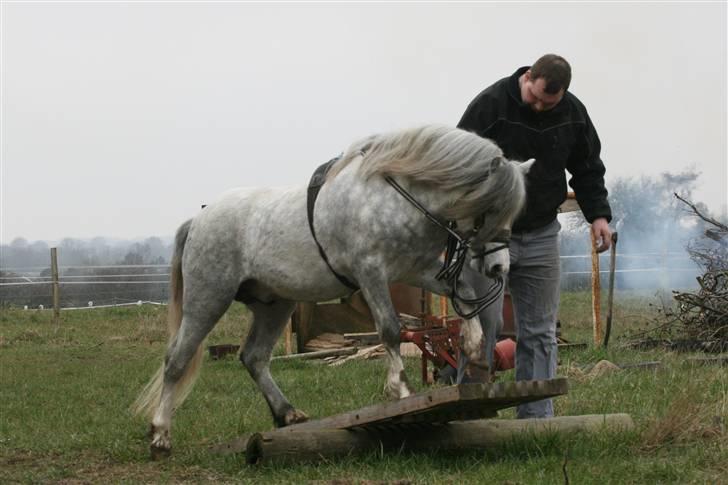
point(453, 160)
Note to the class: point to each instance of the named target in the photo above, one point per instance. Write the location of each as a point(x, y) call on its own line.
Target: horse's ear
point(526, 166)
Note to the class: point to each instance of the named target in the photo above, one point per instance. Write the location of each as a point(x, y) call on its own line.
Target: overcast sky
point(121, 119)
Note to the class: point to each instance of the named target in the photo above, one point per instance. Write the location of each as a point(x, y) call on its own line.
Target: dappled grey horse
point(255, 245)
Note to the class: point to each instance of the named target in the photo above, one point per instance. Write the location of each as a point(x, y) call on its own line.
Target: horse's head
point(493, 259)
point(491, 256)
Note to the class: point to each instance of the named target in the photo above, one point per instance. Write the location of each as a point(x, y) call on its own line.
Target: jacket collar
point(513, 87)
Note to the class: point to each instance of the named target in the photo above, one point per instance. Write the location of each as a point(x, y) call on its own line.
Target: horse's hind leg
point(268, 323)
point(388, 327)
point(184, 355)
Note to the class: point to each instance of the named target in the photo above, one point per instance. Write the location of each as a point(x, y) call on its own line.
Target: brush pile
point(699, 321)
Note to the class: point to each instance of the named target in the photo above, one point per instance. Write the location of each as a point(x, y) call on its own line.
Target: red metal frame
point(439, 341)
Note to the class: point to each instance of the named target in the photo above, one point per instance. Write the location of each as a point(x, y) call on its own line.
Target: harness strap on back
point(314, 187)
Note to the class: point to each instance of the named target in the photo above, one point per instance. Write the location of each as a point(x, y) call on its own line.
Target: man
point(531, 114)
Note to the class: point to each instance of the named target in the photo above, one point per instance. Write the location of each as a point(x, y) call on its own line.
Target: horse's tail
point(148, 400)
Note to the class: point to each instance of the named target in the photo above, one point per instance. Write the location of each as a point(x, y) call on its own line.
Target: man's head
point(545, 83)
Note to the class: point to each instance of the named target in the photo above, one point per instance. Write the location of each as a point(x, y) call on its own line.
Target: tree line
point(76, 252)
point(646, 214)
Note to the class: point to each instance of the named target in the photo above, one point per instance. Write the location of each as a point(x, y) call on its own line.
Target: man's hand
point(602, 234)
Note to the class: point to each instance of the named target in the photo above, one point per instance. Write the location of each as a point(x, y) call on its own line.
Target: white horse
point(256, 246)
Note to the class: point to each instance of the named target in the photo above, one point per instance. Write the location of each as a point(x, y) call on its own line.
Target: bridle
point(456, 255)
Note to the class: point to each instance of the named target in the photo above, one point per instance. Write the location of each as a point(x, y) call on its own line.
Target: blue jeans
point(534, 285)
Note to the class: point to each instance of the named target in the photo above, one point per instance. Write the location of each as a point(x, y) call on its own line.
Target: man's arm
point(587, 170)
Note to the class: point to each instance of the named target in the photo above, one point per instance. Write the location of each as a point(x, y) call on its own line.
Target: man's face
point(533, 94)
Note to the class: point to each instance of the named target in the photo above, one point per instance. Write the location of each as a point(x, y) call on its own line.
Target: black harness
point(455, 252)
point(314, 187)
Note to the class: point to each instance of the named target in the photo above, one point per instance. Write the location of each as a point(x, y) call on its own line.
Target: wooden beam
point(288, 336)
point(282, 446)
point(302, 321)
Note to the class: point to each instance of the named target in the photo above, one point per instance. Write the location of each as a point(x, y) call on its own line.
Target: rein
point(456, 255)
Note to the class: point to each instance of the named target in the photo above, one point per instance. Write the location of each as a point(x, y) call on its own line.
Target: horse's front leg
point(471, 329)
point(378, 298)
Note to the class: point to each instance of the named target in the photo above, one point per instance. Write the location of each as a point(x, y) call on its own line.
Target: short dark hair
point(554, 70)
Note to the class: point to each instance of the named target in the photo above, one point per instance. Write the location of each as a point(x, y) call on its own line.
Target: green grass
point(65, 392)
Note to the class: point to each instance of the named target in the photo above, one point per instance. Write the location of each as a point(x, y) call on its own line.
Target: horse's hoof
point(477, 375)
point(157, 453)
point(480, 364)
point(161, 445)
point(294, 416)
point(400, 391)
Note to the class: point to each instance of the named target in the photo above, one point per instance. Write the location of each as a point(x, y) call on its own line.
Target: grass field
point(65, 393)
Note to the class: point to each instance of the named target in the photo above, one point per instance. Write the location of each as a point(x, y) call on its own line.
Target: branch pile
point(702, 317)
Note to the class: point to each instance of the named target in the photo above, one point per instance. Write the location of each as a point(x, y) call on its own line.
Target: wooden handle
point(596, 293)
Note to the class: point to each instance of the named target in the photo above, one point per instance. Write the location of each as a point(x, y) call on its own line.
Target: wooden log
point(282, 446)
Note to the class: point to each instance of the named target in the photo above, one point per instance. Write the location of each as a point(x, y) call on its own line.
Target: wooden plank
point(318, 354)
point(337, 318)
point(363, 338)
point(464, 401)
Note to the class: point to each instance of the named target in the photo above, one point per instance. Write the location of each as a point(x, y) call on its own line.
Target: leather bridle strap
point(455, 256)
point(422, 209)
point(503, 236)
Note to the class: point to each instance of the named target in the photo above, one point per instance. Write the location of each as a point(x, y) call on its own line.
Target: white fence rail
point(131, 284)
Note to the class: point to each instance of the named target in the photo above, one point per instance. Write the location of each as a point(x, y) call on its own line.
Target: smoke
point(654, 231)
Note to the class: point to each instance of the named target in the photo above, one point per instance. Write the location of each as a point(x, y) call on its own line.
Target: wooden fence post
point(443, 309)
point(55, 286)
point(596, 292)
point(288, 332)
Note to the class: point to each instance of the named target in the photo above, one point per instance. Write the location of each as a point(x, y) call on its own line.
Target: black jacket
point(560, 138)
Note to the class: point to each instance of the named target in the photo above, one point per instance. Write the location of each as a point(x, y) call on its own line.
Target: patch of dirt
point(89, 468)
point(350, 481)
point(602, 368)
